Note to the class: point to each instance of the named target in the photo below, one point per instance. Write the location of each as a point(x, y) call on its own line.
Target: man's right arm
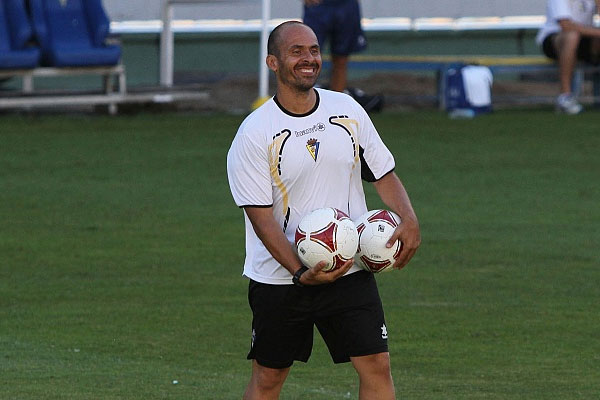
point(269, 232)
point(568, 25)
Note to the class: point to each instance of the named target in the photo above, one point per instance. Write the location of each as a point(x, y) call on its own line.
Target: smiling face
point(297, 61)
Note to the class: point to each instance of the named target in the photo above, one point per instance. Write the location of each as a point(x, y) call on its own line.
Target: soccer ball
point(374, 230)
point(326, 234)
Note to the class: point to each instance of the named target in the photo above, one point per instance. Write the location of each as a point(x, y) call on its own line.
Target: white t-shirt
point(579, 11)
point(298, 163)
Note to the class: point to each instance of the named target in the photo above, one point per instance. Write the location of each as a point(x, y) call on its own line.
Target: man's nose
point(309, 56)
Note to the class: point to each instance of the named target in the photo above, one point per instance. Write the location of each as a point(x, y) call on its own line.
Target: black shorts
point(348, 314)
point(584, 50)
point(337, 22)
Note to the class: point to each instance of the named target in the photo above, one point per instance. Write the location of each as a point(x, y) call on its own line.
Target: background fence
point(250, 9)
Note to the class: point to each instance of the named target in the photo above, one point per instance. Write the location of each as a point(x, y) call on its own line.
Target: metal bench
point(113, 76)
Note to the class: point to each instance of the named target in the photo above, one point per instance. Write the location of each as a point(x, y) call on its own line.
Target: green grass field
point(121, 254)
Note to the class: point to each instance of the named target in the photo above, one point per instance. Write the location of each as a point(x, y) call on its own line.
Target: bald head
point(294, 56)
point(274, 42)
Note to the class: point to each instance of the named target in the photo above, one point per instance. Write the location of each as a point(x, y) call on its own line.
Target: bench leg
point(108, 89)
point(122, 83)
point(28, 83)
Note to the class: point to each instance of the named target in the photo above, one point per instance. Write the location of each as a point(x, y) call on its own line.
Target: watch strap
point(298, 274)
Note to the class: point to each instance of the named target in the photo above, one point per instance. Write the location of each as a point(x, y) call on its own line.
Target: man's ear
point(272, 63)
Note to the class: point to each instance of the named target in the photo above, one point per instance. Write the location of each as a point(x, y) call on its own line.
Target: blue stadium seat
point(15, 34)
point(72, 33)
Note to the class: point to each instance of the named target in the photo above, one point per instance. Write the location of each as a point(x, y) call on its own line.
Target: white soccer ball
point(374, 230)
point(326, 234)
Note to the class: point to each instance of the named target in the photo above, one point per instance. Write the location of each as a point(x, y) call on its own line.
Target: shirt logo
point(313, 148)
point(318, 127)
point(63, 3)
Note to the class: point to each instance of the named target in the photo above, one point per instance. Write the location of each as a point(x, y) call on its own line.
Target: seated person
point(568, 36)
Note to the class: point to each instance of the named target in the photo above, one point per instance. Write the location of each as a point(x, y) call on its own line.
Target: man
point(339, 22)
point(567, 36)
point(277, 179)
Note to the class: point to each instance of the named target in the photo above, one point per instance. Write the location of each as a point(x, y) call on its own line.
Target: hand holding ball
point(328, 234)
point(374, 230)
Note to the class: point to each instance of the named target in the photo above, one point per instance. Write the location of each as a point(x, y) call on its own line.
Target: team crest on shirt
point(312, 145)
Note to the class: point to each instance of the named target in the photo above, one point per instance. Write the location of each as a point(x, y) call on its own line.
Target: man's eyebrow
point(299, 46)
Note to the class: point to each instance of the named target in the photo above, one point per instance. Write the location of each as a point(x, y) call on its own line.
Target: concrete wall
point(120, 10)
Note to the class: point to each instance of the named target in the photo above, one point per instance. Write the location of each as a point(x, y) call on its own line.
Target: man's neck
point(296, 102)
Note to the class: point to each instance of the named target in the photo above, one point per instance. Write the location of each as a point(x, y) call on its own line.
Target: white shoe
point(566, 103)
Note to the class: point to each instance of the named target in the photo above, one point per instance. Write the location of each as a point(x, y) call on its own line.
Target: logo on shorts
point(384, 332)
point(253, 338)
point(312, 145)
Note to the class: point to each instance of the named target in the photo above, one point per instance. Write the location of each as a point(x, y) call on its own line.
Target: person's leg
point(347, 37)
point(265, 383)
point(566, 44)
point(339, 73)
point(282, 331)
point(354, 329)
point(375, 377)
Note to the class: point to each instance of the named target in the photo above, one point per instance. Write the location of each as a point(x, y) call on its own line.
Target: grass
point(121, 253)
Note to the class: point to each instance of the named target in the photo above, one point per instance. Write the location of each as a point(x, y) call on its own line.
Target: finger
point(340, 271)
point(346, 266)
point(312, 276)
point(319, 267)
point(405, 256)
point(395, 237)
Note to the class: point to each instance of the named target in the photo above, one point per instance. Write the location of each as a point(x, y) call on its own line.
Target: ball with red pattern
point(374, 230)
point(326, 234)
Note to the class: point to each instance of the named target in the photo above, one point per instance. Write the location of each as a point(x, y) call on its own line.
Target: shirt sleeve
point(559, 9)
point(248, 171)
point(375, 158)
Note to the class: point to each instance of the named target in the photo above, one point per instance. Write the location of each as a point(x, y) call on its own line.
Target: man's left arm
point(392, 193)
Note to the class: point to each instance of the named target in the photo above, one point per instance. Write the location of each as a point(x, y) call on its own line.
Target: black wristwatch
point(297, 275)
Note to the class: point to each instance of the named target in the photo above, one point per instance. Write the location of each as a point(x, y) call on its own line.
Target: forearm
point(567, 25)
point(270, 233)
point(589, 31)
point(393, 194)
